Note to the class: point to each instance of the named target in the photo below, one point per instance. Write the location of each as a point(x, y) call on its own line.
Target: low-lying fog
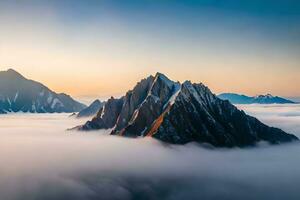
point(39, 160)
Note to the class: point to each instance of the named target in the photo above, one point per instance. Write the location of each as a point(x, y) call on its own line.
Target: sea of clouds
point(39, 160)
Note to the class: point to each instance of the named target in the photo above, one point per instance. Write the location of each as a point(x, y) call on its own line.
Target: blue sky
point(257, 42)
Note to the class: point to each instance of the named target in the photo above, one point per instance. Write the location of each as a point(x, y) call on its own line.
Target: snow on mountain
point(20, 94)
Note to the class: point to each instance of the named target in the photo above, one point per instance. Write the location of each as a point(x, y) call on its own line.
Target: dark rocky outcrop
point(107, 116)
point(20, 94)
point(182, 113)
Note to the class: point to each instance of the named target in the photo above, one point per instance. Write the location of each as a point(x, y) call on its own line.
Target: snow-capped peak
point(268, 96)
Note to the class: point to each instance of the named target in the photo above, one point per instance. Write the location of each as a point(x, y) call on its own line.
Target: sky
point(104, 47)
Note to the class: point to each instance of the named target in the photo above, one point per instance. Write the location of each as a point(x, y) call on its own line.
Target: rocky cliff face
point(182, 113)
point(107, 116)
point(20, 94)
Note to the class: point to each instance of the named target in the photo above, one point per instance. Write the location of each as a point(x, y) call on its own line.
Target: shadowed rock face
point(182, 113)
point(91, 110)
point(133, 100)
point(20, 94)
point(220, 123)
point(107, 116)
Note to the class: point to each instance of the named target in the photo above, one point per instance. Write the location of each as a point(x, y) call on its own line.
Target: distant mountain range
point(181, 113)
point(18, 94)
point(260, 99)
point(91, 110)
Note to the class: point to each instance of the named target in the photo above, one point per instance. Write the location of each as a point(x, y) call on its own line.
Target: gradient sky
point(101, 48)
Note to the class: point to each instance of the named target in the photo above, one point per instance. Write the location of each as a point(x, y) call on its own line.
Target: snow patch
point(49, 99)
point(192, 90)
point(143, 132)
point(267, 96)
point(16, 96)
point(134, 116)
point(42, 93)
point(55, 102)
point(8, 100)
point(103, 112)
point(171, 101)
point(33, 108)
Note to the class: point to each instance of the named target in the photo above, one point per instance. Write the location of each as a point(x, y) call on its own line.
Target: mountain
point(91, 110)
point(269, 99)
point(20, 94)
point(260, 99)
point(181, 113)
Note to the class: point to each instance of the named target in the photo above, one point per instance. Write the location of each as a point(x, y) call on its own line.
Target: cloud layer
point(39, 160)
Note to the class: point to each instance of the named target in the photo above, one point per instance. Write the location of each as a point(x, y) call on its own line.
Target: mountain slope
point(91, 110)
point(20, 94)
point(260, 99)
point(181, 113)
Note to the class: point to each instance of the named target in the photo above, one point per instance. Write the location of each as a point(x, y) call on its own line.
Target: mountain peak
point(269, 95)
point(14, 73)
point(19, 94)
point(12, 70)
point(161, 76)
point(181, 113)
point(165, 79)
point(188, 82)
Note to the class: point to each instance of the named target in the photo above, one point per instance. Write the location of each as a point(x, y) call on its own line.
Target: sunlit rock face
point(18, 94)
point(182, 113)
